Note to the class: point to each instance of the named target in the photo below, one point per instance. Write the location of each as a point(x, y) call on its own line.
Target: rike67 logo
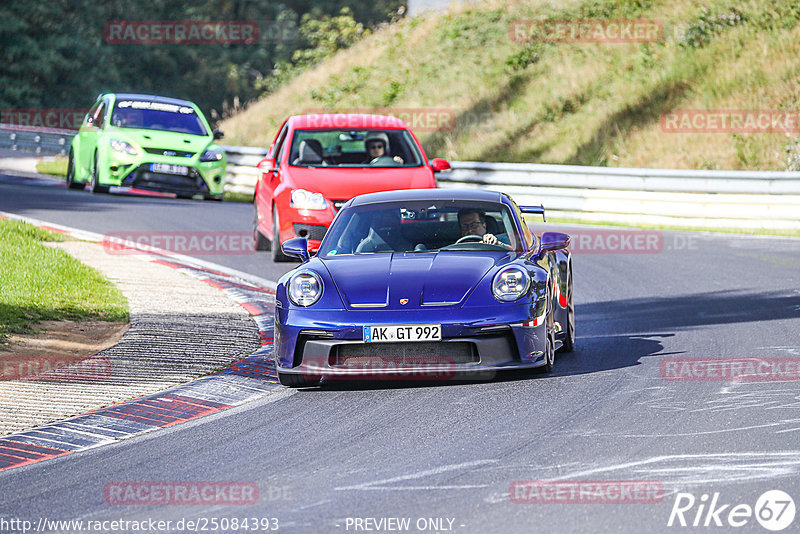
point(774, 510)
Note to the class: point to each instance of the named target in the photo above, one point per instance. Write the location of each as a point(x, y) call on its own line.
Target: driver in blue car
point(472, 221)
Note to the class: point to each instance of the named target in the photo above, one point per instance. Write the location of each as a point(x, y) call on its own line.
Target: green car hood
point(162, 139)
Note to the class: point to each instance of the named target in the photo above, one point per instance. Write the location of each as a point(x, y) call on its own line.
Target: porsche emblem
point(403, 302)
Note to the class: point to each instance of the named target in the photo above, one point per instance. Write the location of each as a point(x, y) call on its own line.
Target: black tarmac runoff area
point(679, 410)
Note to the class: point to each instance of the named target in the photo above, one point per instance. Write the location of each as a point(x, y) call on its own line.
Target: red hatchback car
point(318, 162)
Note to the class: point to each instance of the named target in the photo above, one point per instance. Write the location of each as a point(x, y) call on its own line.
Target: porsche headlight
point(305, 288)
point(123, 146)
point(306, 200)
point(510, 284)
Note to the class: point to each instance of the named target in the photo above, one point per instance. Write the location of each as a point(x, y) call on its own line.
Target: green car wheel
point(71, 183)
point(94, 182)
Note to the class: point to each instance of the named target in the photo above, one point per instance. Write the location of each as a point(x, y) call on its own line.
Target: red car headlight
point(306, 200)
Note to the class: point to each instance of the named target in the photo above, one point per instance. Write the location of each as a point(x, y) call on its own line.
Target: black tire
point(259, 241)
point(71, 183)
point(277, 253)
point(94, 186)
point(550, 343)
point(216, 198)
point(298, 381)
point(569, 339)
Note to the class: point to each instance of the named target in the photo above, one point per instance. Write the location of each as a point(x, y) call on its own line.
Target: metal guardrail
point(710, 199)
point(732, 199)
point(241, 173)
point(44, 141)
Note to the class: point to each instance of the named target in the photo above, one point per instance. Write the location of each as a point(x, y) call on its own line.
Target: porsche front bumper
point(474, 341)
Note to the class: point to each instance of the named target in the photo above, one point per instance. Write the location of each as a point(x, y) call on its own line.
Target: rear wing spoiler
point(534, 210)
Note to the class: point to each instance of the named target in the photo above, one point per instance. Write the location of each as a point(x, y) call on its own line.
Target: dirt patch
point(56, 345)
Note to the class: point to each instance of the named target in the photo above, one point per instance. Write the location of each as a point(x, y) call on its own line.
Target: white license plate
point(166, 168)
point(402, 332)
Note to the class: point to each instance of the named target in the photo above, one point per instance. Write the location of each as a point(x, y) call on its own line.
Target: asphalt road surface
point(447, 457)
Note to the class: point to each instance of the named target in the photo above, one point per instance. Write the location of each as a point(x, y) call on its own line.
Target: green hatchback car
point(147, 142)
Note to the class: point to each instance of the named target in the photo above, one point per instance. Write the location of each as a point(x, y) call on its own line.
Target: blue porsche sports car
point(424, 283)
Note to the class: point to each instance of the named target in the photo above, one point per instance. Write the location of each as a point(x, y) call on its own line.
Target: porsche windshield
point(354, 148)
point(149, 115)
point(421, 226)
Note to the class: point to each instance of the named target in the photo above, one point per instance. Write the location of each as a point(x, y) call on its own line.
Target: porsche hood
point(410, 280)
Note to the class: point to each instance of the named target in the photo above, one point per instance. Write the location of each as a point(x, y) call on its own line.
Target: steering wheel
point(470, 238)
point(384, 161)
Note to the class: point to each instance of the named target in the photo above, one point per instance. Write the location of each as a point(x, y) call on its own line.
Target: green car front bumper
point(165, 173)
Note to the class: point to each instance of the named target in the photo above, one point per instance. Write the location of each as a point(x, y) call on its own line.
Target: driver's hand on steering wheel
point(491, 239)
point(398, 159)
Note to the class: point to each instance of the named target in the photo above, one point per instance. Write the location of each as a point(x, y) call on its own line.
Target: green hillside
point(573, 103)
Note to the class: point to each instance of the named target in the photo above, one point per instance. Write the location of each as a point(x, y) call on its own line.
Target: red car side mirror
point(439, 164)
point(267, 165)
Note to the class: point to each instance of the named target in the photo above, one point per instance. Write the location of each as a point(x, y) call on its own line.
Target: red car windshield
point(354, 148)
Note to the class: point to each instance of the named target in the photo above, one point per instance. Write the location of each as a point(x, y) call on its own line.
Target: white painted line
point(419, 474)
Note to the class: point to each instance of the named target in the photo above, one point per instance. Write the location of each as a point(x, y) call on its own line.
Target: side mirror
point(218, 134)
point(439, 164)
point(297, 247)
point(267, 165)
point(552, 241)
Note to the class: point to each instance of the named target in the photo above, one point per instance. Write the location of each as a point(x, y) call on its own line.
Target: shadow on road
point(619, 333)
point(667, 314)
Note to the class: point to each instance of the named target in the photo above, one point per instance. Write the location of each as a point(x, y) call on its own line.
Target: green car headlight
point(123, 146)
point(212, 154)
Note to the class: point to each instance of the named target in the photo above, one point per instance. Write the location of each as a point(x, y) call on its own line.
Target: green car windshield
point(148, 115)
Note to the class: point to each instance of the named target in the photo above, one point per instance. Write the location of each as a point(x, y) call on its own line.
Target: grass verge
point(39, 283)
point(579, 103)
point(230, 196)
point(54, 167)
